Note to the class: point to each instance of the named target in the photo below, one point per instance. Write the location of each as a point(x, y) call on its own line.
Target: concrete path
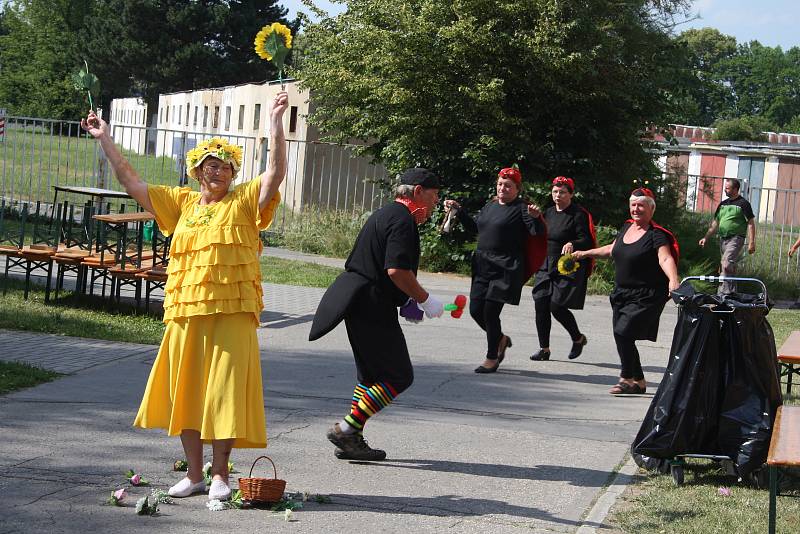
point(530, 448)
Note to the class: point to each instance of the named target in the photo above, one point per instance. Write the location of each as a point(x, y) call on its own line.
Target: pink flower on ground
point(136, 479)
point(120, 494)
point(725, 492)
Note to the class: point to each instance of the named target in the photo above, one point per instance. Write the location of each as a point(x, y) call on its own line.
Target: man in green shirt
point(733, 218)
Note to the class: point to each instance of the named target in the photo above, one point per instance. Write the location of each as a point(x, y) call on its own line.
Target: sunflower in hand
point(567, 264)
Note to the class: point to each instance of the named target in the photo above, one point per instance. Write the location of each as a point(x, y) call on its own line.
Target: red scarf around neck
point(418, 211)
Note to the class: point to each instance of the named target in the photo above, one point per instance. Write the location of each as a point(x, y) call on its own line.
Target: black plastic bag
point(683, 414)
point(751, 386)
point(720, 392)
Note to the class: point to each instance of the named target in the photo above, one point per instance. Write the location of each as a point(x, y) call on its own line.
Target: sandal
point(624, 388)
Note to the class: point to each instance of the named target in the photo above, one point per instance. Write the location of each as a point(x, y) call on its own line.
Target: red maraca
point(457, 307)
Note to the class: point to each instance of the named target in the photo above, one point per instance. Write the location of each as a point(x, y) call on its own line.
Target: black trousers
point(544, 307)
point(378, 344)
point(629, 358)
point(487, 314)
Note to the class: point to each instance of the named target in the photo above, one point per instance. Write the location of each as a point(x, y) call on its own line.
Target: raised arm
point(278, 161)
point(125, 173)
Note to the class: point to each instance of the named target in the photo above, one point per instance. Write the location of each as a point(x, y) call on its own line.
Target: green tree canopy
point(748, 128)
point(135, 47)
point(38, 54)
point(468, 86)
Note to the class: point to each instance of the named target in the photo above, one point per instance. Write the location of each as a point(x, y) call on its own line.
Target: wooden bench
point(784, 451)
point(788, 358)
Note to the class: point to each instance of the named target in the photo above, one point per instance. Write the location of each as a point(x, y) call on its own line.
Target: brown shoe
point(353, 446)
point(505, 342)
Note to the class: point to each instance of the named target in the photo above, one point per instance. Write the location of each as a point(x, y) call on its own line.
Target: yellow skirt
point(207, 377)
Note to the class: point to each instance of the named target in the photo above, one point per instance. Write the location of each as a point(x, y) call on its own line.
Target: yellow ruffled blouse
point(214, 256)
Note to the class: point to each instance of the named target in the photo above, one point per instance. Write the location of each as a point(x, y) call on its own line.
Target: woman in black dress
point(569, 229)
point(498, 264)
point(646, 257)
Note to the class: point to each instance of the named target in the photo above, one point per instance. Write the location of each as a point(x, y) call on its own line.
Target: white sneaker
point(185, 487)
point(219, 490)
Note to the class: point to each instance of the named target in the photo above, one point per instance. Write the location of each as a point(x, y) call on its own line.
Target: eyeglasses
point(217, 169)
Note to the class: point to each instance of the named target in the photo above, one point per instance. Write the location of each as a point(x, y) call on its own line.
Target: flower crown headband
point(216, 148)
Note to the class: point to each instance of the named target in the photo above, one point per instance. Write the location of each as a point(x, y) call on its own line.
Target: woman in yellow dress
point(205, 384)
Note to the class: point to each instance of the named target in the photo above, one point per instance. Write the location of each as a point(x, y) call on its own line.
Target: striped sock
point(367, 401)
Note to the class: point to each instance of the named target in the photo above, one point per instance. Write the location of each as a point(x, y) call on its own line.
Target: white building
point(319, 174)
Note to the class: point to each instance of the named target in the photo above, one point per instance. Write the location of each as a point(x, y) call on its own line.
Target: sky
point(770, 22)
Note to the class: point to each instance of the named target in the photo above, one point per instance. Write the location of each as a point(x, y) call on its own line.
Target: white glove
point(432, 307)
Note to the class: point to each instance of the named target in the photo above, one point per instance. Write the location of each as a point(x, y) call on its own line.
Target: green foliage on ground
point(325, 232)
point(296, 273)
point(15, 375)
point(655, 505)
point(465, 88)
point(76, 315)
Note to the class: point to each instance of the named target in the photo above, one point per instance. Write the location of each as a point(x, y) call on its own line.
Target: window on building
point(174, 115)
point(241, 118)
point(194, 123)
point(293, 119)
point(205, 116)
point(167, 117)
point(257, 117)
point(187, 114)
point(180, 113)
point(215, 122)
point(227, 117)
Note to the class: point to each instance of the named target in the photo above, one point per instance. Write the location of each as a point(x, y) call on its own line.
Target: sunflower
point(567, 264)
point(215, 147)
point(261, 39)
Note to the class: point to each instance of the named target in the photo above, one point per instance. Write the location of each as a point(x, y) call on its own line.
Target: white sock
point(345, 427)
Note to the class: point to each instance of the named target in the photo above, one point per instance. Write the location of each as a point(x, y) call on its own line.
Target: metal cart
point(678, 463)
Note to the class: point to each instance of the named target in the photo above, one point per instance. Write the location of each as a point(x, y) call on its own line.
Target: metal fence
point(38, 154)
point(776, 210)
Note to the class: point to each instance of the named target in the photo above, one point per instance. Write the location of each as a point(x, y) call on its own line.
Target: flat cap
point(420, 176)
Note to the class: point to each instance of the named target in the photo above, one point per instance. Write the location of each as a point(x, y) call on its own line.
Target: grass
point(330, 233)
point(33, 159)
point(78, 316)
point(296, 273)
point(15, 375)
point(84, 316)
point(654, 505)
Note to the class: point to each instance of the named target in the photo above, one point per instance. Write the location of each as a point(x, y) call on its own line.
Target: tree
point(38, 55)
point(708, 91)
point(148, 47)
point(748, 128)
point(468, 86)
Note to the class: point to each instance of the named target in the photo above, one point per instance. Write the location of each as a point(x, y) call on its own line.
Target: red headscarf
point(563, 181)
point(643, 192)
point(510, 173)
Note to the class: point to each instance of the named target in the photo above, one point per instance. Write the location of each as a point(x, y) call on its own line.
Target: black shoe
point(577, 347)
point(481, 370)
point(353, 446)
point(541, 356)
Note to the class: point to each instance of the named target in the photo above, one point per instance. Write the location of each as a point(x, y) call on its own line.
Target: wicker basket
point(262, 489)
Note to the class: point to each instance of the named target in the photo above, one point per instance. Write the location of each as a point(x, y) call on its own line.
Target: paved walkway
point(531, 448)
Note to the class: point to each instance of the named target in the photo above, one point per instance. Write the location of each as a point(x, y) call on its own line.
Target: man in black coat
point(380, 276)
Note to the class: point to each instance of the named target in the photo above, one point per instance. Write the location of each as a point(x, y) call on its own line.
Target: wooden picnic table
point(788, 357)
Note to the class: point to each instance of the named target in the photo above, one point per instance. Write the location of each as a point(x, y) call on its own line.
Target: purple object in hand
point(411, 311)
